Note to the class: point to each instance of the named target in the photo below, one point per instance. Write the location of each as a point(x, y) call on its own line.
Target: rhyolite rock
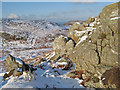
point(85, 24)
point(74, 31)
point(63, 45)
point(11, 64)
point(109, 11)
point(97, 53)
point(90, 19)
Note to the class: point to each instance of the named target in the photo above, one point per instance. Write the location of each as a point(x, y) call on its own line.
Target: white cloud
point(13, 16)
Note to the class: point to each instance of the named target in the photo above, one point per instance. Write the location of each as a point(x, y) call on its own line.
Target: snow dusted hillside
point(27, 39)
point(30, 40)
point(27, 25)
point(21, 36)
point(29, 33)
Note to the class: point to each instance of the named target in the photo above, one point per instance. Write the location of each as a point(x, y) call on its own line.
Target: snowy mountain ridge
point(31, 24)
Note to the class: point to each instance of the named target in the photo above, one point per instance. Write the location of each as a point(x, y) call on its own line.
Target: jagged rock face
point(11, 64)
point(84, 57)
point(99, 52)
point(109, 11)
point(103, 46)
point(63, 45)
point(109, 27)
point(90, 19)
point(73, 31)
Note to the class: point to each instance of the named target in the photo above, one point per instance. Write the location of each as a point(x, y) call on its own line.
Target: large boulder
point(74, 31)
point(99, 51)
point(109, 57)
point(63, 45)
point(12, 64)
point(109, 11)
point(84, 57)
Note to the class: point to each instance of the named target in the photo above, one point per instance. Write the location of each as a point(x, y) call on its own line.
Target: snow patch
point(98, 22)
point(77, 22)
point(90, 28)
point(3, 58)
point(114, 13)
point(114, 51)
point(90, 41)
point(61, 63)
point(79, 33)
point(18, 60)
point(92, 24)
point(82, 39)
point(115, 18)
point(50, 56)
point(44, 79)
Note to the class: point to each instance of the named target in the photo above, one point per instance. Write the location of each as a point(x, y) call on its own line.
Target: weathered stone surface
point(77, 26)
point(11, 64)
point(17, 73)
point(63, 45)
point(105, 42)
point(109, 57)
point(99, 42)
point(69, 47)
point(85, 58)
point(109, 11)
point(99, 52)
point(74, 31)
point(114, 42)
point(94, 37)
point(85, 24)
point(90, 19)
point(102, 68)
point(112, 77)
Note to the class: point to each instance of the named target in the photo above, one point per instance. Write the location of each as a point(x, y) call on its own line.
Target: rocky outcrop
point(63, 45)
point(73, 32)
point(110, 77)
point(96, 48)
point(90, 19)
point(69, 23)
point(11, 64)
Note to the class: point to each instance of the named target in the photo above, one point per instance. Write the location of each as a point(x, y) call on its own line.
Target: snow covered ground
point(40, 35)
point(45, 78)
point(43, 82)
